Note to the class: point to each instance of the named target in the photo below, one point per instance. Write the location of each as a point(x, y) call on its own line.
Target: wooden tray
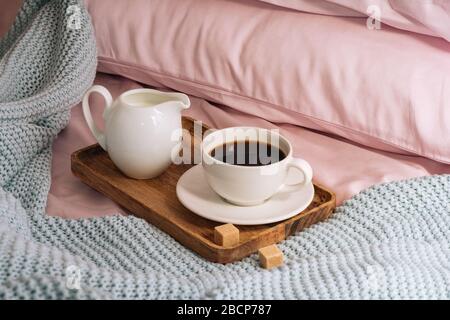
point(155, 201)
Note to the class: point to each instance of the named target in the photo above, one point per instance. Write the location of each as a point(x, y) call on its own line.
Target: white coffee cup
point(250, 185)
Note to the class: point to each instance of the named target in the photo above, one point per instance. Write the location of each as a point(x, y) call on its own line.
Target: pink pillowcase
point(388, 89)
point(427, 17)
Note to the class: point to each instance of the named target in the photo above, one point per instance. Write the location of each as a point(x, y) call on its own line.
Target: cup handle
point(304, 167)
point(98, 134)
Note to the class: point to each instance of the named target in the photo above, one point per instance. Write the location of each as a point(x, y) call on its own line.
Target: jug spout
point(182, 101)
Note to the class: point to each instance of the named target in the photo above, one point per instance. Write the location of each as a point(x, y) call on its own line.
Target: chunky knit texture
point(391, 241)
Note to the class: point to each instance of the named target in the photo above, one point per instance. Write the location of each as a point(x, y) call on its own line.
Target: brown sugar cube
point(270, 257)
point(226, 235)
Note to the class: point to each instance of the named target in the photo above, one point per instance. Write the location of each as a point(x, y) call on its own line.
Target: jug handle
point(98, 134)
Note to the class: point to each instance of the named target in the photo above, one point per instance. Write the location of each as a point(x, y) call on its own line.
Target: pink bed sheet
point(342, 166)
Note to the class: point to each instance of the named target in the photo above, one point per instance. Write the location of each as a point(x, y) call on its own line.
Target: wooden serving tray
point(155, 200)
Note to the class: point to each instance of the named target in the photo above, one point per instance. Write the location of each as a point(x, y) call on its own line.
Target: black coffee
point(248, 153)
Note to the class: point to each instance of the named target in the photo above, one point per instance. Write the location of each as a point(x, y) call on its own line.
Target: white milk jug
point(142, 129)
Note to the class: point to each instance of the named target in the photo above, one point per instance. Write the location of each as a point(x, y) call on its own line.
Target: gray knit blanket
point(389, 242)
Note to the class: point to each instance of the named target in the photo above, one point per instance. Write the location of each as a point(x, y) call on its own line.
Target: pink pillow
point(427, 17)
point(387, 88)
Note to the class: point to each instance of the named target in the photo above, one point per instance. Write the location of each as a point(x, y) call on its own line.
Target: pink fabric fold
point(430, 17)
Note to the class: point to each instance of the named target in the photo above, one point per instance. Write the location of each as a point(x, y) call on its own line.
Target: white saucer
point(195, 194)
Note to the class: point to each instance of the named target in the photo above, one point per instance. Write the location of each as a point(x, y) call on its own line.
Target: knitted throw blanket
point(390, 241)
